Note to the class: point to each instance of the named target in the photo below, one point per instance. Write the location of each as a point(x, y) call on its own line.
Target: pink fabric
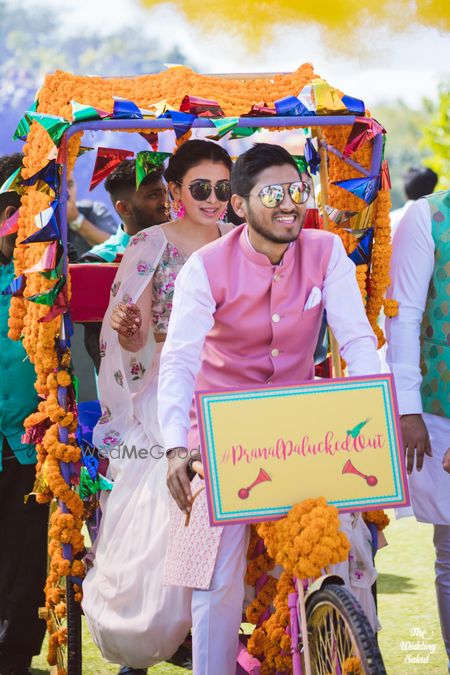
point(249, 291)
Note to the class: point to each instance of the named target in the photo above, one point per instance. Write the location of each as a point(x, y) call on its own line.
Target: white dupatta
point(124, 374)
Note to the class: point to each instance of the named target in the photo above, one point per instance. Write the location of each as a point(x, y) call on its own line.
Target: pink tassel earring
point(178, 208)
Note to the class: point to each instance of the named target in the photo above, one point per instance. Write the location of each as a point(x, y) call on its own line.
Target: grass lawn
point(407, 609)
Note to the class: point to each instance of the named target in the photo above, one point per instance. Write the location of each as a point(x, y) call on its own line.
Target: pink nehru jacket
point(262, 334)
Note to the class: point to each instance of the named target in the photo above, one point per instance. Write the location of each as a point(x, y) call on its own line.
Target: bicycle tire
point(360, 634)
point(74, 638)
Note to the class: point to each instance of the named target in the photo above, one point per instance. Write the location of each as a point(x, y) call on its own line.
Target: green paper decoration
point(148, 161)
point(55, 126)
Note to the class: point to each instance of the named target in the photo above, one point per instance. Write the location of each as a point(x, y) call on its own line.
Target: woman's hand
point(126, 319)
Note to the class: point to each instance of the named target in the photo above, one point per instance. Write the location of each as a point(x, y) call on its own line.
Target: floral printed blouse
point(172, 260)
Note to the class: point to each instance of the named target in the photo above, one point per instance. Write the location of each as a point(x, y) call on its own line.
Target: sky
point(380, 67)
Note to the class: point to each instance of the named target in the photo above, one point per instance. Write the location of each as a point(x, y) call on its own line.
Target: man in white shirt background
point(419, 356)
point(418, 182)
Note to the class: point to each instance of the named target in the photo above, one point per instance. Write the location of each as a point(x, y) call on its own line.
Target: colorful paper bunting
point(48, 260)
point(15, 287)
point(327, 98)
point(58, 307)
point(338, 216)
point(301, 163)
point(91, 463)
point(24, 125)
point(364, 129)
point(354, 105)
point(385, 176)
point(312, 156)
point(260, 110)
point(152, 139)
point(290, 106)
point(47, 179)
point(243, 132)
point(48, 297)
point(125, 109)
point(55, 126)
point(361, 254)
point(223, 127)
point(201, 107)
point(106, 161)
point(182, 122)
point(10, 225)
point(306, 98)
point(148, 161)
point(312, 220)
point(364, 188)
point(50, 232)
point(13, 183)
point(81, 112)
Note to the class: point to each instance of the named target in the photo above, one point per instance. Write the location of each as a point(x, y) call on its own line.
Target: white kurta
point(411, 270)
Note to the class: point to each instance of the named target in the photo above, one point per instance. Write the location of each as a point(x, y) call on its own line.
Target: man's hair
point(251, 163)
point(122, 180)
point(419, 181)
point(9, 164)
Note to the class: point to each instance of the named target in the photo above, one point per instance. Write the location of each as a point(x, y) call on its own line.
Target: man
point(417, 182)
point(89, 222)
point(23, 526)
point(255, 322)
point(137, 209)
point(419, 356)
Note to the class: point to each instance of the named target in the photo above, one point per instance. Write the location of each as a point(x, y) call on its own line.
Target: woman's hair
point(192, 153)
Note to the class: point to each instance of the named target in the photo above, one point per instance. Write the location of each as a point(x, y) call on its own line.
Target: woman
point(126, 605)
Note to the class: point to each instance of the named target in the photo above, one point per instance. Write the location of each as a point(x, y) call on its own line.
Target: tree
point(436, 135)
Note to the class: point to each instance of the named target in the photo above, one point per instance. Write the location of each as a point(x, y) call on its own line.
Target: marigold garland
point(304, 543)
point(378, 518)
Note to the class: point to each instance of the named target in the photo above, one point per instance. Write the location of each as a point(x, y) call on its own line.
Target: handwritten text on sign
point(265, 449)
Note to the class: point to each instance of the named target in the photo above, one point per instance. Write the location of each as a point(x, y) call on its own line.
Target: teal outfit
point(18, 397)
point(115, 245)
point(435, 329)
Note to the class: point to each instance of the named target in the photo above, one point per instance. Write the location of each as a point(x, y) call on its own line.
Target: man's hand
point(178, 478)
point(415, 440)
point(446, 461)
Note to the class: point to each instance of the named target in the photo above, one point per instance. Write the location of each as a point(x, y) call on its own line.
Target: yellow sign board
point(265, 449)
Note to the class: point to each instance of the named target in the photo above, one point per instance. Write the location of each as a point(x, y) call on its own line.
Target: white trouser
point(217, 612)
point(442, 567)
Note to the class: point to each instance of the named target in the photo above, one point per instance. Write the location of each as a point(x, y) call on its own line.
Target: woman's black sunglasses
point(201, 190)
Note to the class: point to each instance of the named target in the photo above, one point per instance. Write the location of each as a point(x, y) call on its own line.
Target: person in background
point(138, 209)
point(419, 356)
point(23, 526)
point(418, 182)
point(89, 222)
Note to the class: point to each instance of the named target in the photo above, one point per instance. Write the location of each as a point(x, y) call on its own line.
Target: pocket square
point(314, 298)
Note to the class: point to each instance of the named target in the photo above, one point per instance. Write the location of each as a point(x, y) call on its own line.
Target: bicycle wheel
point(341, 639)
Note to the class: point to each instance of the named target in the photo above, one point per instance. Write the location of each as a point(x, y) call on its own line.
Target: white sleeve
point(411, 269)
point(191, 319)
point(346, 315)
